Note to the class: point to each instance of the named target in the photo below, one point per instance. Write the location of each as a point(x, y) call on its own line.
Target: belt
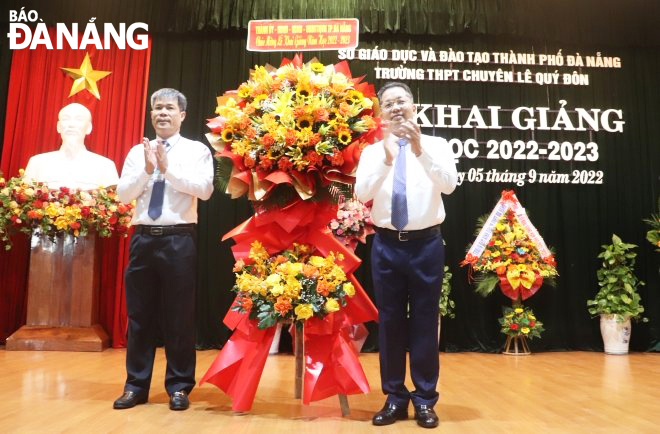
point(165, 230)
point(409, 235)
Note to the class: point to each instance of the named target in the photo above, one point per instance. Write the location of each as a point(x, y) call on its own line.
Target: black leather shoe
point(426, 417)
point(129, 400)
point(179, 400)
point(390, 414)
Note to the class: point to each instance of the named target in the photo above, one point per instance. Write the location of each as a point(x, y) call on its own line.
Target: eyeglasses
point(389, 105)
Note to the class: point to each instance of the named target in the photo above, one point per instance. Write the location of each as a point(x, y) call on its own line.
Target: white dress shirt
point(427, 176)
point(189, 176)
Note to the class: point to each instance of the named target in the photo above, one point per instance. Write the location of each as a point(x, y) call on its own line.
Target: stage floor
point(52, 392)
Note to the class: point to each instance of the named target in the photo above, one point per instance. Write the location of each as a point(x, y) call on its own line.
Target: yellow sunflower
point(353, 97)
point(344, 137)
point(305, 122)
point(304, 90)
point(227, 134)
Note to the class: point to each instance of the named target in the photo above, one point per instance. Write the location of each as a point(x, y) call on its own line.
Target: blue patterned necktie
point(399, 200)
point(157, 195)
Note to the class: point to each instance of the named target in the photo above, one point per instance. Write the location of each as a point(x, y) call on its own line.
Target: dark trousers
point(160, 288)
point(408, 273)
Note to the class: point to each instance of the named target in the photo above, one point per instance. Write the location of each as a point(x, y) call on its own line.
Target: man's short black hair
point(391, 84)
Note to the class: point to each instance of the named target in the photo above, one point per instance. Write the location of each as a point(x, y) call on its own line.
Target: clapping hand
point(161, 157)
point(410, 131)
point(150, 160)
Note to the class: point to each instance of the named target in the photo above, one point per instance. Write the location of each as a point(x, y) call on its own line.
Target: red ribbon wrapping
point(331, 361)
point(238, 367)
point(525, 293)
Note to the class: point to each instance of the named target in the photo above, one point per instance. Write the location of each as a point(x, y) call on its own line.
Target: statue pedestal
point(63, 297)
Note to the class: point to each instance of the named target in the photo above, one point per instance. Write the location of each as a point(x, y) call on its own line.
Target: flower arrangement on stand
point(353, 223)
point(289, 138)
point(519, 322)
point(31, 206)
point(509, 252)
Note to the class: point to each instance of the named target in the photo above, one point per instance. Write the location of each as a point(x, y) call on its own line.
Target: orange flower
point(310, 271)
point(282, 305)
point(323, 288)
point(280, 259)
point(314, 139)
point(320, 115)
point(290, 137)
point(246, 303)
point(238, 266)
point(501, 270)
point(267, 140)
point(344, 109)
point(337, 159)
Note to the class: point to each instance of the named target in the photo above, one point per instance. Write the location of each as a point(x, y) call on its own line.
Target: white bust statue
point(73, 165)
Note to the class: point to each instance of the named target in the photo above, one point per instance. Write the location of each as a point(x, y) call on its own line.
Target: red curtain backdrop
point(38, 89)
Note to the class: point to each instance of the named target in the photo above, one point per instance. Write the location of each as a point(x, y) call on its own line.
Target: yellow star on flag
point(85, 77)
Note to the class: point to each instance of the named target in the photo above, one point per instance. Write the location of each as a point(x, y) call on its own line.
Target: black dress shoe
point(426, 417)
point(129, 400)
point(179, 400)
point(390, 414)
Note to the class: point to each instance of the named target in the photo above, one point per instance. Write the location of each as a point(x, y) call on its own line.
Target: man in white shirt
point(72, 166)
point(165, 176)
point(405, 175)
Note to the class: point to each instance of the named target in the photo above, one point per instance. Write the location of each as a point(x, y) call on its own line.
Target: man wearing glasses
point(405, 175)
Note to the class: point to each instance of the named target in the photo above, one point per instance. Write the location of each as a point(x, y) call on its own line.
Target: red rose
point(284, 164)
point(112, 220)
point(248, 161)
point(74, 225)
point(532, 324)
point(336, 159)
point(21, 198)
point(84, 211)
point(514, 327)
point(267, 140)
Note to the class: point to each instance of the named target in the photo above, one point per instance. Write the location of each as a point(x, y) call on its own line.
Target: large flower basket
point(282, 139)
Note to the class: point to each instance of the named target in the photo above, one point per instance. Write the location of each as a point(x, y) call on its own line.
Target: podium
point(63, 297)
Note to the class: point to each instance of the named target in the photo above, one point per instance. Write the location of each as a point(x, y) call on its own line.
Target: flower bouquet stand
point(283, 138)
point(509, 252)
point(63, 280)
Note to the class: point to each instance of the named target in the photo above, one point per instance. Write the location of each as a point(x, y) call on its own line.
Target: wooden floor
point(57, 392)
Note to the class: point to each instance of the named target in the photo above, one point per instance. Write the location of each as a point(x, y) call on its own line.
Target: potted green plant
point(653, 235)
point(446, 304)
point(617, 301)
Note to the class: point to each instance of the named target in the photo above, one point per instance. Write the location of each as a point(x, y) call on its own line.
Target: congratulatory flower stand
point(65, 259)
